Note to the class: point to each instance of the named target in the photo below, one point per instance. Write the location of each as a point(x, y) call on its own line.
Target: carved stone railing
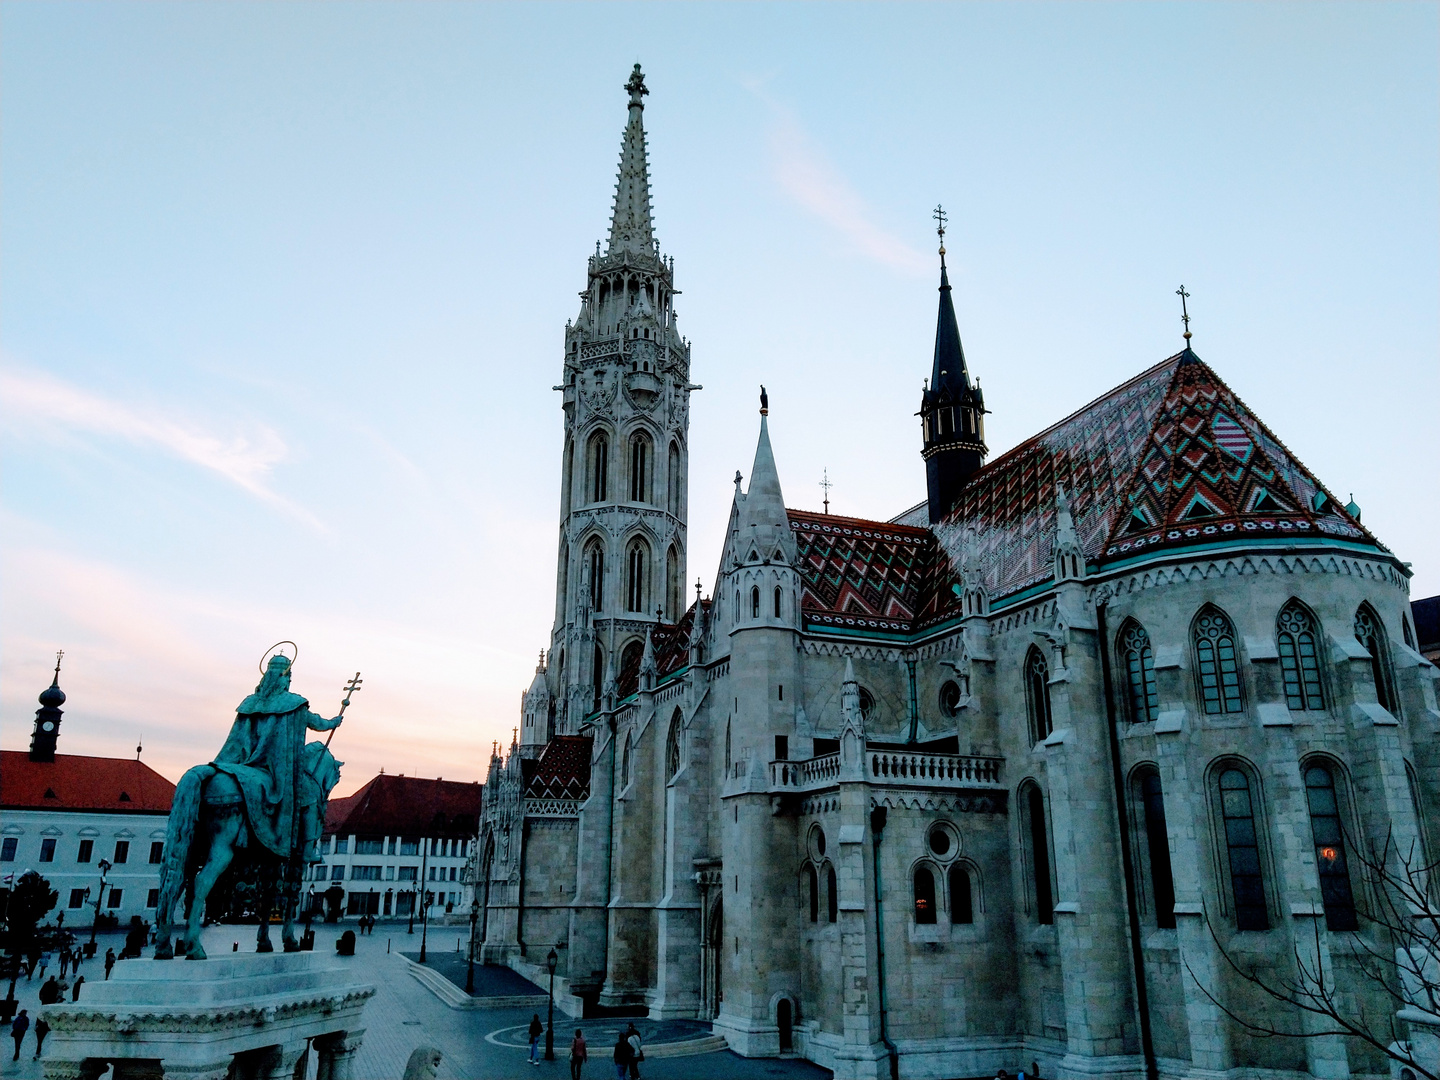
point(939, 770)
point(803, 775)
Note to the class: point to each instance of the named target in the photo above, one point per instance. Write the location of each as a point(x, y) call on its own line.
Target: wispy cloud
point(808, 175)
point(244, 459)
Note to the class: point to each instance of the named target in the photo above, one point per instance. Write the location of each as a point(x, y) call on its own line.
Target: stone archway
point(713, 962)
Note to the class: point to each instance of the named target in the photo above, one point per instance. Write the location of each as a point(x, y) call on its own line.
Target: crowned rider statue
point(260, 803)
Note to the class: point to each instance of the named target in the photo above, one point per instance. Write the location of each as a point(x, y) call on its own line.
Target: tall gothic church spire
point(626, 385)
point(952, 411)
point(631, 227)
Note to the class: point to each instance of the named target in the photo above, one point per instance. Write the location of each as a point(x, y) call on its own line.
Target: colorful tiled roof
point(870, 575)
point(1170, 459)
point(671, 642)
point(562, 771)
point(76, 782)
point(407, 806)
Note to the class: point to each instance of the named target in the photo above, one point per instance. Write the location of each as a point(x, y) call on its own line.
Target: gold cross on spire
point(826, 485)
point(1184, 311)
point(941, 219)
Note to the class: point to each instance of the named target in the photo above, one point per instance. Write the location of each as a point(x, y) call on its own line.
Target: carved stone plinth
point(196, 1019)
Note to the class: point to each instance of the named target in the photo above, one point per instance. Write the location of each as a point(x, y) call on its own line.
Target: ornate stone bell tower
point(626, 386)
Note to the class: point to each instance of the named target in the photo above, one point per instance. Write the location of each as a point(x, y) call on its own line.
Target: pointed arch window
point(1242, 844)
point(672, 584)
point(962, 904)
point(625, 764)
point(637, 560)
point(640, 457)
point(777, 601)
point(672, 481)
point(672, 747)
point(1037, 694)
point(1217, 663)
point(595, 566)
point(630, 665)
point(832, 895)
point(814, 882)
point(1039, 855)
point(597, 674)
point(754, 601)
point(1139, 660)
point(1157, 842)
point(597, 461)
point(1370, 632)
point(924, 895)
point(1296, 639)
point(1335, 891)
point(727, 747)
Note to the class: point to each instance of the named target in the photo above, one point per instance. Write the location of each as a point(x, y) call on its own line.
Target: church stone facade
point(1002, 778)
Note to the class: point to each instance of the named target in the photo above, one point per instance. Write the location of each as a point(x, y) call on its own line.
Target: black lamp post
point(470, 972)
point(99, 899)
point(550, 962)
point(425, 923)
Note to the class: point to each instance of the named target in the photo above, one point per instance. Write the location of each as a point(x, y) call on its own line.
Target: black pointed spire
point(47, 718)
point(951, 409)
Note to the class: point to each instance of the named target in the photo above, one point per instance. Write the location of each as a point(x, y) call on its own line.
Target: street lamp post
point(425, 922)
point(99, 899)
point(550, 962)
point(470, 971)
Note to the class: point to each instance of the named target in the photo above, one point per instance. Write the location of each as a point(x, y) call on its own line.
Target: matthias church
point(1005, 776)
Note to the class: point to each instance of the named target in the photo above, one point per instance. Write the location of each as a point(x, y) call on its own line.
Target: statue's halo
point(291, 656)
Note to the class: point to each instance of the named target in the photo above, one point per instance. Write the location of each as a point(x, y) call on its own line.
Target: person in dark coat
point(536, 1030)
point(109, 962)
point(50, 992)
point(623, 1054)
point(75, 990)
point(18, 1027)
point(41, 1030)
point(578, 1054)
point(637, 1054)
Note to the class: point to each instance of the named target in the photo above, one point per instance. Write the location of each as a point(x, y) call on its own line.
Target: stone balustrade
point(911, 768)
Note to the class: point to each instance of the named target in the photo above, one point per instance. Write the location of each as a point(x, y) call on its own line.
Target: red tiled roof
point(672, 652)
point(407, 806)
point(873, 576)
point(1171, 458)
point(76, 782)
point(562, 771)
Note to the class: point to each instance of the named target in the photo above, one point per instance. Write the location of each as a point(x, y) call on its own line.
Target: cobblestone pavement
point(479, 1044)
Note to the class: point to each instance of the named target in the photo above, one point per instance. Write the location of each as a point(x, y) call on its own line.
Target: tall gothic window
point(754, 602)
point(1335, 891)
point(640, 469)
point(672, 481)
point(962, 904)
point(1037, 694)
point(1040, 854)
point(1295, 638)
point(597, 674)
point(1370, 632)
point(598, 465)
point(595, 564)
point(672, 747)
point(1242, 844)
point(636, 561)
point(625, 764)
point(1157, 842)
point(777, 601)
point(832, 895)
point(672, 584)
point(630, 664)
point(1139, 660)
point(814, 882)
point(1217, 663)
point(924, 895)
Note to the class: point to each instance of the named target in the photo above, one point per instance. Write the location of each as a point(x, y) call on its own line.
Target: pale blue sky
point(284, 288)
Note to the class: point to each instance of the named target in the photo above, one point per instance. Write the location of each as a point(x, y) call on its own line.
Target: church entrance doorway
point(713, 962)
point(783, 1022)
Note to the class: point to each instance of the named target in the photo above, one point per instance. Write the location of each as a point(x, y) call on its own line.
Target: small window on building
point(86, 852)
point(1335, 891)
point(157, 851)
point(1040, 855)
point(1217, 663)
point(116, 899)
point(7, 848)
point(754, 602)
point(782, 748)
point(777, 601)
point(122, 851)
point(77, 899)
point(1157, 839)
point(1037, 694)
point(409, 846)
point(950, 698)
point(962, 904)
point(1139, 660)
point(1295, 639)
point(924, 895)
point(152, 898)
point(1242, 842)
point(337, 873)
point(342, 845)
point(832, 895)
point(1370, 632)
point(814, 883)
point(47, 849)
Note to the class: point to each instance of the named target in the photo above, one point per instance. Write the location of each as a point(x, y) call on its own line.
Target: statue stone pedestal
point(255, 1013)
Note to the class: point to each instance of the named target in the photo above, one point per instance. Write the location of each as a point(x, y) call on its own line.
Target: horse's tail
point(179, 831)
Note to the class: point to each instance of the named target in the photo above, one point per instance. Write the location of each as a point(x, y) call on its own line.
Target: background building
point(394, 836)
point(68, 817)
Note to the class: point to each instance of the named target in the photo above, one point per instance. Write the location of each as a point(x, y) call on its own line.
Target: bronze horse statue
point(262, 802)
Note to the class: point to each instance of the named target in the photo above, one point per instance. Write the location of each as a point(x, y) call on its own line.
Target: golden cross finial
point(826, 485)
point(940, 221)
point(59, 654)
point(1184, 311)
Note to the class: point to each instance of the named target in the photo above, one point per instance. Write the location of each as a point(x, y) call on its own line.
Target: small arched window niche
point(1217, 663)
point(924, 896)
point(1037, 695)
point(1370, 632)
point(1297, 641)
point(1138, 658)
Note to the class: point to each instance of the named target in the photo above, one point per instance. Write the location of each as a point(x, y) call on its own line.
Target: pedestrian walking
point(18, 1027)
point(578, 1054)
point(41, 1030)
point(75, 990)
point(50, 993)
point(536, 1030)
point(623, 1054)
point(45, 959)
point(64, 959)
point(33, 957)
point(109, 962)
point(637, 1053)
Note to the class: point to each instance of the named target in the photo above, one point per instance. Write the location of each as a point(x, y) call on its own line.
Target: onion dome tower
point(47, 718)
point(952, 411)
